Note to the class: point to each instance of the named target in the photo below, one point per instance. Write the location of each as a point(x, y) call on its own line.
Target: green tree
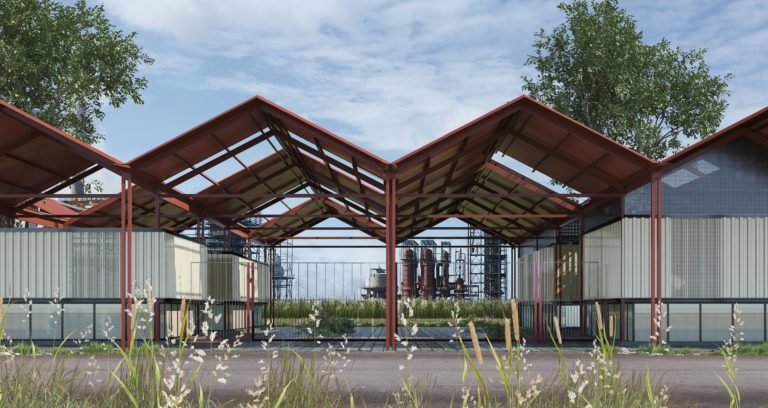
point(63, 63)
point(596, 68)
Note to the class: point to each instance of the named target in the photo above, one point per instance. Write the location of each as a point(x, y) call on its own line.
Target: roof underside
point(37, 158)
point(455, 176)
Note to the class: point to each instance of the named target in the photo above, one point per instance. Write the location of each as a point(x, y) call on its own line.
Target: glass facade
point(683, 322)
point(715, 322)
point(753, 317)
point(728, 181)
point(16, 323)
point(699, 322)
point(642, 322)
point(101, 321)
point(107, 321)
point(602, 215)
point(46, 321)
point(78, 321)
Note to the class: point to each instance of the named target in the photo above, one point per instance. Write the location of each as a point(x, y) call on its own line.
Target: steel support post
point(122, 264)
point(157, 209)
point(129, 254)
point(126, 255)
point(659, 251)
point(390, 188)
point(582, 271)
point(271, 251)
point(156, 322)
point(653, 256)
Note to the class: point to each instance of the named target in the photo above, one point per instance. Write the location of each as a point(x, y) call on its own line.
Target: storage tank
point(459, 289)
point(428, 283)
point(410, 262)
point(445, 264)
point(376, 284)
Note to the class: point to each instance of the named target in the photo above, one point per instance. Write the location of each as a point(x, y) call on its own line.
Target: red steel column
point(157, 210)
point(122, 264)
point(652, 220)
point(391, 263)
point(129, 252)
point(659, 249)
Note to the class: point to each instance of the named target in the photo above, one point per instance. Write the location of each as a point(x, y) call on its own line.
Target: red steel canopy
point(37, 158)
point(454, 176)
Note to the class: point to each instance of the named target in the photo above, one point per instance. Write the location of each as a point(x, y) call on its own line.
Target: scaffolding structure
point(283, 276)
point(487, 266)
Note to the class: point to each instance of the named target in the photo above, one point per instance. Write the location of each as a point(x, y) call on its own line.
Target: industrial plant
point(675, 242)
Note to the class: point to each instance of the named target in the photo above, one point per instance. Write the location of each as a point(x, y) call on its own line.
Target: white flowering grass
point(598, 382)
point(729, 351)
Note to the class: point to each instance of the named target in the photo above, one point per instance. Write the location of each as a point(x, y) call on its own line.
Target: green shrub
point(335, 326)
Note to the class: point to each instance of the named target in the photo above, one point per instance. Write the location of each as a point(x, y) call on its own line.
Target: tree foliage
point(596, 68)
point(63, 63)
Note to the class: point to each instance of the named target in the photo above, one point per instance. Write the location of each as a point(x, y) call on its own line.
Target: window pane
point(716, 320)
point(46, 321)
point(642, 322)
point(754, 322)
point(684, 322)
point(107, 321)
point(78, 321)
point(141, 323)
point(17, 322)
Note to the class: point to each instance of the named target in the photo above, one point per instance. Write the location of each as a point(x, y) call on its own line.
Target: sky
point(387, 75)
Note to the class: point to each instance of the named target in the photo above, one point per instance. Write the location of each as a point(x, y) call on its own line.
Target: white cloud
point(388, 75)
point(393, 75)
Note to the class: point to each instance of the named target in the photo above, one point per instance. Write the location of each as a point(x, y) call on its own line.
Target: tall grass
point(148, 374)
point(362, 310)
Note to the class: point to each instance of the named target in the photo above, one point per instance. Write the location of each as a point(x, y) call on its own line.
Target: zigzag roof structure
point(458, 175)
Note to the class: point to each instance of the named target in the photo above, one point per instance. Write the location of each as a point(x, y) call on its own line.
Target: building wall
point(263, 284)
point(544, 263)
point(603, 262)
point(568, 269)
point(86, 263)
point(227, 278)
point(702, 257)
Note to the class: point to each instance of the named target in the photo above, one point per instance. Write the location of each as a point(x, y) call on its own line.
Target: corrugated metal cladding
point(86, 263)
point(703, 257)
point(568, 271)
point(537, 271)
point(227, 278)
point(602, 262)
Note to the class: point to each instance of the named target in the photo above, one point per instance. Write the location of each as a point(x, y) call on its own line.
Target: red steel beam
point(511, 216)
point(529, 185)
point(220, 159)
point(570, 160)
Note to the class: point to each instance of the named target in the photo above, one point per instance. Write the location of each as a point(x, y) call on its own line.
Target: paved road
point(374, 376)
